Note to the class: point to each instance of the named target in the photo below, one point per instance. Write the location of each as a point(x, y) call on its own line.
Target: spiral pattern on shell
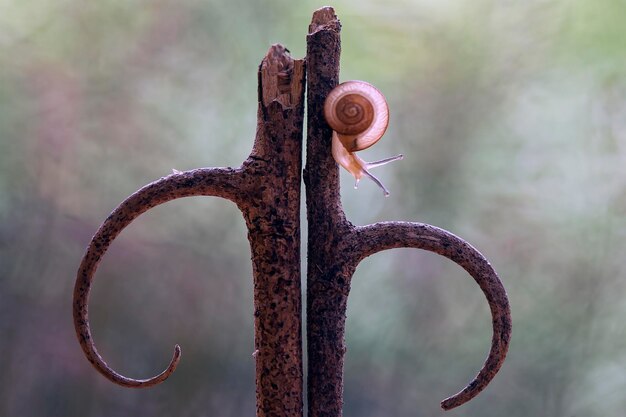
point(358, 112)
point(355, 112)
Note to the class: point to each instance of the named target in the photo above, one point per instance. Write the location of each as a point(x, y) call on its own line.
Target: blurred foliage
point(512, 118)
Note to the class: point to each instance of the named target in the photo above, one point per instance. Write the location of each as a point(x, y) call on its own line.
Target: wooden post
point(328, 273)
point(272, 213)
point(336, 246)
point(266, 188)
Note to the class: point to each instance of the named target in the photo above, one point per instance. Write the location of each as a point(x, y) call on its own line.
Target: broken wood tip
point(281, 77)
point(322, 18)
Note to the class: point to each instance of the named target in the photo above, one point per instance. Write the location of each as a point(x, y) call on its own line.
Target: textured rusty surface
point(221, 182)
point(272, 214)
point(328, 273)
point(388, 235)
point(266, 188)
point(335, 246)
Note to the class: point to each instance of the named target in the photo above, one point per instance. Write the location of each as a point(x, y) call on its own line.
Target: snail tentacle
point(377, 181)
point(384, 161)
point(370, 165)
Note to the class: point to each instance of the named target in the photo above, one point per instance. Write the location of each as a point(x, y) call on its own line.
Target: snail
point(358, 114)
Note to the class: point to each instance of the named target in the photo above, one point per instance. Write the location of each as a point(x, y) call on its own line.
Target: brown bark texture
point(266, 188)
point(336, 246)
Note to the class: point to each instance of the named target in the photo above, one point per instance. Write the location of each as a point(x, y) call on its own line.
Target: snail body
point(358, 114)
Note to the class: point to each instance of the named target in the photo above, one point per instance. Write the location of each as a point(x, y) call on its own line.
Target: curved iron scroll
point(336, 246)
point(388, 235)
point(219, 182)
point(266, 189)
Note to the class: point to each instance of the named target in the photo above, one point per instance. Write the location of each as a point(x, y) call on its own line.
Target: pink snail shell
point(358, 114)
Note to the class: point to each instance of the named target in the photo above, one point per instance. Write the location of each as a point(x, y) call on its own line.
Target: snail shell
point(358, 114)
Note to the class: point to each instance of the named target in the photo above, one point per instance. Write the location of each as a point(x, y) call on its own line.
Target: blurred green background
point(512, 119)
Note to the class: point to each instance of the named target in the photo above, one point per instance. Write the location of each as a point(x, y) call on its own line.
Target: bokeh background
point(512, 119)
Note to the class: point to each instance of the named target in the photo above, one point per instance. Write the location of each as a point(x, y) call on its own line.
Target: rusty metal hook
point(266, 189)
point(388, 235)
point(207, 181)
point(337, 245)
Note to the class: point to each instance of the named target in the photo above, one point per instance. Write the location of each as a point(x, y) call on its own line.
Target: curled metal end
point(81, 323)
point(206, 181)
point(83, 332)
point(113, 376)
point(501, 318)
point(492, 287)
point(484, 377)
point(122, 216)
point(387, 235)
